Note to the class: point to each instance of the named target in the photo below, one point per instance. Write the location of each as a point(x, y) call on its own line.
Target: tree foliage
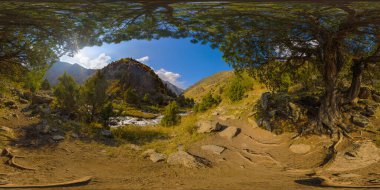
point(67, 94)
point(171, 116)
point(207, 102)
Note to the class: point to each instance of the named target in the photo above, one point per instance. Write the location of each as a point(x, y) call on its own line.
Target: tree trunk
point(357, 72)
point(329, 114)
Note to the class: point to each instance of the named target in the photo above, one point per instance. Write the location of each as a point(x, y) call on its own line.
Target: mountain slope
point(176, 90)
point(79, 73)
point(214, 84)
point(133, 76)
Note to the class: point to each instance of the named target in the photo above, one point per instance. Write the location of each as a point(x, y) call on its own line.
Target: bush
point(171, 116)
point(67, 93)
point(207, 102)
point(95, 94)
point(33, 80)
point(45, 85)
point(236, 90)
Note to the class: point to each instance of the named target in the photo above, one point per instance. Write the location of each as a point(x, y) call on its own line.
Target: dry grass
point(163, 139)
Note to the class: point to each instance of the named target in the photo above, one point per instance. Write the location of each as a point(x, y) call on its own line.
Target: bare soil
point(254, 159)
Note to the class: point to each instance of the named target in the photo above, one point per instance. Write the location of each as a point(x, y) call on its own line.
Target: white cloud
point(170, 77)
point(97, 63)
point(143, 59)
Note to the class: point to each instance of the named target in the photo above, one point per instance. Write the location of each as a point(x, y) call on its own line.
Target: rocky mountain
point(129, 75)
point(79, 73)
point(175, 89)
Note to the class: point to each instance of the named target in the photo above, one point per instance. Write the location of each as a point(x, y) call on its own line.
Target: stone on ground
point(230, 132)
point(58, 137)
point(356, 156)
point(135, 147)
point(185, 159)
point(157, 157)
point(208, 127)
point(148, 152)
point(360, 121)
point(300, 148)
point(41, 99)
point(213, 148)
point(106, 133)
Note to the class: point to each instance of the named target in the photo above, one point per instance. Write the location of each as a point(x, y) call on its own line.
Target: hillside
point(137, 78)
point(79, 73)
point(214, 84)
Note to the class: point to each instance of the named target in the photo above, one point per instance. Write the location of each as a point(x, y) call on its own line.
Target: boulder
point(58, 137)
point(41, 99)
point(135, 147)
point(23, 101)
point(265, 100)
point(230, 132)
point(106, 133)
point(148, 152)
point(185, 159)
point(157, 157)
point(356, 155)
point(360, 121)
point(369, 111)
point(213, 148)
point(365, 93)
point(208, 127)
point(300, 148)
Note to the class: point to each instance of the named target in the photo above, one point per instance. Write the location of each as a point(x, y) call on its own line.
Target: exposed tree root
point(265, 155)
point(262, 143)
point(81, 181)
point(326, 182)
point(333, 152)
point(12, 160)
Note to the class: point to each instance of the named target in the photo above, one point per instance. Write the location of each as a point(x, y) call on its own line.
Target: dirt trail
point(254, 159)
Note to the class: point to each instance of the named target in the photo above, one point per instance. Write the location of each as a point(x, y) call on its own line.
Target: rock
point(265, 100)
point(157, 157)
point(230, 132)
point(135, 147)
point(74, 135)
point(369, 111)
point(208, 127)
point(300, 148)
point(23, 101)
point(360, 121)
point(295, 111)
point(348, 175)
point(185, 159)
point(106, 133)
point(45, 129)
point(148, 152)
point(365, 93)
point(7, 131)
point(58, 137)
point(54, 129)
point(213, 148)
point(363, 154)
point(41, 99)
point(376, 98)
point(14, 115)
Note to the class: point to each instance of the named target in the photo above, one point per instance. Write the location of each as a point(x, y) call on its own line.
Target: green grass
point(163, 139)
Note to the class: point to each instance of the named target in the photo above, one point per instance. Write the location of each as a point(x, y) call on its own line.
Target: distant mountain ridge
point(79, 73)
point(124, 74)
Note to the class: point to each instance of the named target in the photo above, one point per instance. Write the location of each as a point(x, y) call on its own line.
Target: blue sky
point(175, 60)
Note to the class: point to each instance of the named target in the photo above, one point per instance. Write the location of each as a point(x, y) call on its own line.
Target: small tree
point(236, 90)
point(207, 102)
point(33, 80)
point(95, 94)
point(171, 116)
point(67, 93)
point(45, 85)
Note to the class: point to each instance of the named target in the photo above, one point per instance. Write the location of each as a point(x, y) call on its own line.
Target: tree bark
point(357, 73)
point(329, 114)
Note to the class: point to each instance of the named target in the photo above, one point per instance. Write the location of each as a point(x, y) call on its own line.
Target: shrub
point(33, 80)
point(171, 116)
point(236, 90)
point(45, 85)
point(207, 102)
point(67, 93)
point(95, 94)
